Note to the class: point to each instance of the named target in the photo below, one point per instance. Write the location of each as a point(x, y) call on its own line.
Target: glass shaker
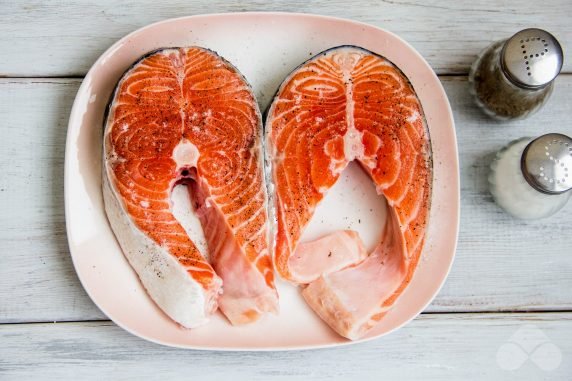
point(513, 78)
point(532, 179)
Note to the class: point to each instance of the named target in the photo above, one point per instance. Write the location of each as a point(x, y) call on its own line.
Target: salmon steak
point(347, 104)
point(186, 117)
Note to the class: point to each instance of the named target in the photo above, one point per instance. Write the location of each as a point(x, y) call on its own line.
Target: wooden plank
point(37, 278)
point(434, 346)
point(501, 264)
point(65, 38)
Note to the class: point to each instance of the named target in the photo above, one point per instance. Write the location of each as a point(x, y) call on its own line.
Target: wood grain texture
point(36, 273)
point(434, 347)
point(57, 38)
point(501, 263)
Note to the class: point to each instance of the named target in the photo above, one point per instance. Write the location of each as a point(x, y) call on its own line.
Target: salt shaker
point(513, 78)
point(532, 179)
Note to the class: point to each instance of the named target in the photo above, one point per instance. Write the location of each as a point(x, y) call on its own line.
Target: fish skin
point(187, 116)
point(347, 104)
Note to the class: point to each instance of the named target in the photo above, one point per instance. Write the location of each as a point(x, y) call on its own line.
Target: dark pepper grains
point(496, 94)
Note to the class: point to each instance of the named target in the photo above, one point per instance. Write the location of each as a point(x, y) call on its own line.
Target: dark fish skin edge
point(155, 51)
point(266, 111)
point(114, 92)
point(275, 97)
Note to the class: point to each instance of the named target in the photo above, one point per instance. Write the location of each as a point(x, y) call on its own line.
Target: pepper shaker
point(513, 78)
point(532, 179)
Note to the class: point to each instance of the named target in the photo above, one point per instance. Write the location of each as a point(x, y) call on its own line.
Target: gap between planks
point(430, 314)
point(59, 78)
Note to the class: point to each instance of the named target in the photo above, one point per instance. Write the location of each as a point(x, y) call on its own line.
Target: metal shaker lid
point(532, 58)
point(546, 163)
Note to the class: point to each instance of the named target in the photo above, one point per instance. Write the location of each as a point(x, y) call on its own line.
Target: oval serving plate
point(265, 47)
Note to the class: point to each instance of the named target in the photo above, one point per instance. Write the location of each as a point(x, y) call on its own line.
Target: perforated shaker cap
point(532, 58)
point(546, 163)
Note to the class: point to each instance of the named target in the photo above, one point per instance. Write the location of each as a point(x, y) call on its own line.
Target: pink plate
point(265, 47)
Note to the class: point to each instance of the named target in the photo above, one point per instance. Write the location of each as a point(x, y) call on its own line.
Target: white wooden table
point(506, 304)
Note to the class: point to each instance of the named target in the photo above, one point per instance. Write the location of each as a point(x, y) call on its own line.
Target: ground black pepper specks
point(497, 94)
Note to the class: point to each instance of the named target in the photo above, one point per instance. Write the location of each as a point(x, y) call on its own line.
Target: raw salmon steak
point(185, 116)
point(348, 104)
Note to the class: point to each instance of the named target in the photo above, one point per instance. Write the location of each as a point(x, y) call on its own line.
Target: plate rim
point(70, 145)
